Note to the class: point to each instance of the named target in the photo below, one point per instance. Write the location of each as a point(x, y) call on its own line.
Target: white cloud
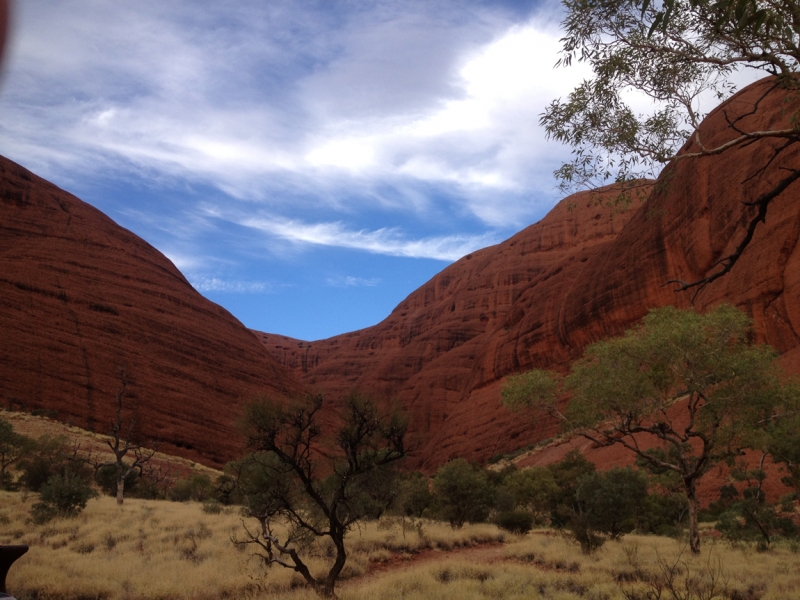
point(386, 241)
point(351, 281)
point(283, 98)
point(216, 284)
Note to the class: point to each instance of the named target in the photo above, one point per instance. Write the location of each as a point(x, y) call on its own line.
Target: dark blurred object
point(3, 26)
point(8, 554)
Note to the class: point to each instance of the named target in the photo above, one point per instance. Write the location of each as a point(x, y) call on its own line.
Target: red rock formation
point(581, 274)
point(430, 353)
point(81, 297)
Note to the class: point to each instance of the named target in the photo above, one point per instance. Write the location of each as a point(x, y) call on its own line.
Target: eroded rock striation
point(82, 298)
point(583, 273)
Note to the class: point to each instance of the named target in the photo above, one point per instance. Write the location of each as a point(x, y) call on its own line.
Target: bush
point(515, 521)
point(612, 501)
point(581, 531)
point(414, 496)
point(533, 490)
point(62, 495)
point(196, 487)
point(48, 457)
point(462, 493)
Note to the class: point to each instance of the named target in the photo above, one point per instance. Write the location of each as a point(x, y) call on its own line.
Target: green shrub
point(581, 531)
point(462, 493)
point(63, 495)
point(515, 521)
point(106, 479)
point(195, 487)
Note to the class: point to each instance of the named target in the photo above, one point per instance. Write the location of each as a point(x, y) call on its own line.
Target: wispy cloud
point(391, 242)
point(216, 284)
point(286, 96)
point(351, 281)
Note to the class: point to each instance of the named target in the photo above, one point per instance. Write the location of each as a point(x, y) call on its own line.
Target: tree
point(64, 494)
point(463, 493)
point(48, 456)
point(567, 474)
point(533, 490)
point(122, 446)
point(285, 478)
point(783, 445)
point(748, 515)
point(414, 495)
point(613, 501)
point(13, 447)
point(685, 382)
point(675, 52)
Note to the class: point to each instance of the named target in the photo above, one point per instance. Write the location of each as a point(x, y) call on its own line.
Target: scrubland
point(157, 549)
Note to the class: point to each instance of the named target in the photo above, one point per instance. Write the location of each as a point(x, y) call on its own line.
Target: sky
point(306, 164)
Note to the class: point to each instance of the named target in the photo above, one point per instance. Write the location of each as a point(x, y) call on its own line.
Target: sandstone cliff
point(82, 298)
point(583, 273)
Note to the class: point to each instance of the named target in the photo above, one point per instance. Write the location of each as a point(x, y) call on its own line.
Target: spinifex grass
point(159, 549)
point(165, 550)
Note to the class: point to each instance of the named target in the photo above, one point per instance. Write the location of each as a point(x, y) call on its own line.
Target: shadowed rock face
point(82, 298)
point(581, 274)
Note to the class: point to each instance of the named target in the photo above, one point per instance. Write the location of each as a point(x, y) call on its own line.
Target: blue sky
point(305, 164)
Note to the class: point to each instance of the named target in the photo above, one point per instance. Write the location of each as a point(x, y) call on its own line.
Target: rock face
point(583, 273)
point(82, 298)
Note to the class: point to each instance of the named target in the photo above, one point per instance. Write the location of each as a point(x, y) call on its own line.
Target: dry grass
point(165, 550)
point(157, 549)
point(95, 443)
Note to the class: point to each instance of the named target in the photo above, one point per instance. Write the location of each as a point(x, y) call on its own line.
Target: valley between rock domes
point(82, 297)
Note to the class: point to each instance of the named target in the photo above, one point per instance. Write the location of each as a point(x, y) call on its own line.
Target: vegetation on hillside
point(682, 392)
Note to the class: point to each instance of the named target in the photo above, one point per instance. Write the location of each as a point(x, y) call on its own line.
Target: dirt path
point(481, 553)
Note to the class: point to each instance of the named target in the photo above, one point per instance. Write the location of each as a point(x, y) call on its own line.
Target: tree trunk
point(341, 557)
point(325, 590)
point(120, 490)
point(694, 530)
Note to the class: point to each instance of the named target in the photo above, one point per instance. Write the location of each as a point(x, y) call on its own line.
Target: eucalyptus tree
point(675, 53)
point(683, 391)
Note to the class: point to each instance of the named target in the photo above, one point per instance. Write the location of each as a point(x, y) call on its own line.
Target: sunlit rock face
point(82, 298)
point(583, 273)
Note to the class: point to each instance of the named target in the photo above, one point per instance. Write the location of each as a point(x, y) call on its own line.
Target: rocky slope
point(82, 298)
point(583, 273)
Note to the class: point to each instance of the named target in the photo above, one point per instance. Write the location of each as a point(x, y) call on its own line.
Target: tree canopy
point(287, 479)
point(689, 383)
point(680, 54)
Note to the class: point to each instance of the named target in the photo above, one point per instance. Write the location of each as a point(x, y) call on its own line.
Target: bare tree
point(123, 446)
